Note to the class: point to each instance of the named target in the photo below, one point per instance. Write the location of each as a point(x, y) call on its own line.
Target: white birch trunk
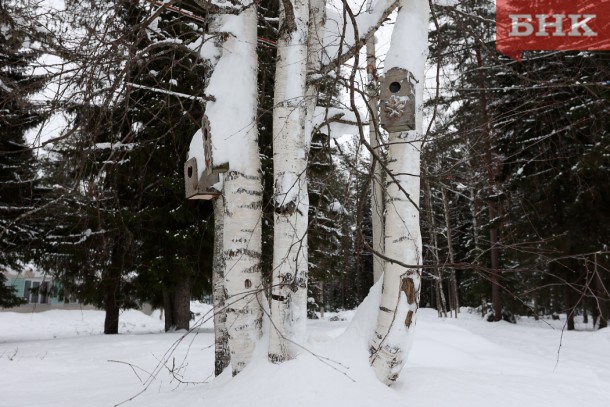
point(232, 117)
point(401, 286)
point(377, 201)
point(317, 19)
point(222, 357)
point(291, 199)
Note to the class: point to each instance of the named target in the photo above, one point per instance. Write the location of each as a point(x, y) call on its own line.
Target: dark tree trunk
point(491, 168)
point(182, 302)
point(177, 303)
point(112, 285)
point(601, 302)
point(570, 302)
point(168, 310)
point(111, 305)
point(495, 286)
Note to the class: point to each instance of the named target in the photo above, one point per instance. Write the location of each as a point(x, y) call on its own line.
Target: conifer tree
point(20, 190)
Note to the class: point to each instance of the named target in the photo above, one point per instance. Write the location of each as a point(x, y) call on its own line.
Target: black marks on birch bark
point(289, 208)
point(242, 252)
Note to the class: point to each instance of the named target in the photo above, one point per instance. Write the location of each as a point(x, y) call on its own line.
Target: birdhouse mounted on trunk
point(202, 187)
point(397, 101)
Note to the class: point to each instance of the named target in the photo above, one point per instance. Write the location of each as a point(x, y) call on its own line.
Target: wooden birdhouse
point(397, 101)
point(202, 187)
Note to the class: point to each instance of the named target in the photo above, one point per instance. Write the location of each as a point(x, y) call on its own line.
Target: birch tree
point(233, 88)
point(291, 201)
point(222, 356)
point(401, 286)
point(377, 207)
point(307, 44)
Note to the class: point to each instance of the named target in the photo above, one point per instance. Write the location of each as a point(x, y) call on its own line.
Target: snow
point(59, 358)
point(233, 85)
point(337, 122)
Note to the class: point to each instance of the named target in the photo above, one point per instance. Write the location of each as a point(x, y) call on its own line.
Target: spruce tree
point(19, 181)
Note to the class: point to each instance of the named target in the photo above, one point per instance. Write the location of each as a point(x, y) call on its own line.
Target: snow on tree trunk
point(401, 286)
point(291, 200)
point(234, 135)
point(222, 358)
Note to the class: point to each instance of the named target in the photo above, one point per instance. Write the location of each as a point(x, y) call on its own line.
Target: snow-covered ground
point(60, 359)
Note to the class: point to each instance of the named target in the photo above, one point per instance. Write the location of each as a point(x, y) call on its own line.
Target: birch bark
point(219, 296)
point(401, 287)
point(291, 200)
point(377, 202)
point(232, 121)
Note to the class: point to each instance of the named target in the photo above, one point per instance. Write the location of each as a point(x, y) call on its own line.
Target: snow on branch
point(172, 93)
point(342, 40)
point(336, 122)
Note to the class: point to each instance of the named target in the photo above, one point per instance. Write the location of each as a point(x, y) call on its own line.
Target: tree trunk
point(496, 301)
point(492, 209)
point(453, 290)
point(177, 302)
point(243, 194)
point(291, 200)
point(377, 198)
point(242, 256)
point(441, 304)
point(168, 309)
point(111, 304)
point(219, 295)
point(401, 287)
point(570, 307)
point(235, 142)
point(112, 283)
point(602, 298)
